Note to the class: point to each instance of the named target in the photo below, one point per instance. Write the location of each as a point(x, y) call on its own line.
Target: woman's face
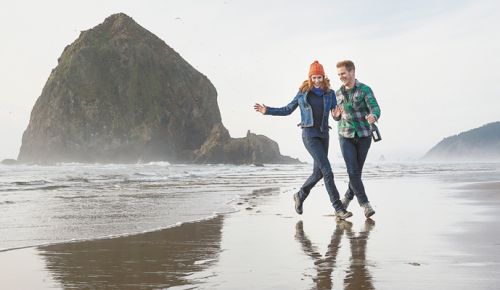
point(317, 81)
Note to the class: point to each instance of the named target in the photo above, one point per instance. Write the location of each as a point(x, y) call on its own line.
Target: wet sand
point(426, 234)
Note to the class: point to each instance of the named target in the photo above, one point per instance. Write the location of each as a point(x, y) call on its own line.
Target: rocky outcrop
point(480, 144)
point(9, 162)
point(255, 149)
point(120, 94)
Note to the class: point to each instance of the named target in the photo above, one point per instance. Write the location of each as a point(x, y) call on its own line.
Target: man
point(357, 109)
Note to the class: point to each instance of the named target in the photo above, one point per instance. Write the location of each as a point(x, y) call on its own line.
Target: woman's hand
point(260, 108)
point(337, 112)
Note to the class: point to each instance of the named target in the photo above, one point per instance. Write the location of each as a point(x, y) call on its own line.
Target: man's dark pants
point(355, 151)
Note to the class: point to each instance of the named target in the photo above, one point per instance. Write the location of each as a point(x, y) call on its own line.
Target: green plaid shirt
point(357, 103)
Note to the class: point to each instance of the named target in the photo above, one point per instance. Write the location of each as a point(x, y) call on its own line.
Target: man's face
point(317, 81)
point(346, 77)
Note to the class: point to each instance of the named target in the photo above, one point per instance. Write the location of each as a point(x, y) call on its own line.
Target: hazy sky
point(433, 65)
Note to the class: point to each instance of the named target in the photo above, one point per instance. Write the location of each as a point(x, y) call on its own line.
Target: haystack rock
point(120, 94)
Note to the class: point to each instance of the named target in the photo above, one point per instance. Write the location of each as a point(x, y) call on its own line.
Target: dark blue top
point(315, 99)
point(306, 112)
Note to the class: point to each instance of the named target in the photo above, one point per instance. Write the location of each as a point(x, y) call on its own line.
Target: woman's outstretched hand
point(260, 108)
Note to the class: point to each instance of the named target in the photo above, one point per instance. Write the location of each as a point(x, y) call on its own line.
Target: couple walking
point(356, 108)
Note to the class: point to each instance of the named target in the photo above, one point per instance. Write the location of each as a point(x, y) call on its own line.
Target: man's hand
point(371, 118)
point(260, 108)
point(337, 112)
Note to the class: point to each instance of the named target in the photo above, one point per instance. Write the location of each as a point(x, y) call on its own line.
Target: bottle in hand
point(375, 133)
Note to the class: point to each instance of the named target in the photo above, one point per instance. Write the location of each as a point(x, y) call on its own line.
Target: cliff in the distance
point(480, 144)
point(120, 94)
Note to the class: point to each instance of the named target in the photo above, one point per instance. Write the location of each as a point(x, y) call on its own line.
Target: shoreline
point(239, 203)
point(66, 204)
point(125, 235)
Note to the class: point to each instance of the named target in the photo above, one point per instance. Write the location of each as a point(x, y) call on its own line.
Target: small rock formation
point(9, 162)
point(120, 94)
point(479, 144)
point(255, 149)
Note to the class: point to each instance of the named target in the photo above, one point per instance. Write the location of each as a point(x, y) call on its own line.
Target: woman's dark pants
point(318, 148)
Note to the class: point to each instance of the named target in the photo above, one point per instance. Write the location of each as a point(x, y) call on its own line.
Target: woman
point(315, 100)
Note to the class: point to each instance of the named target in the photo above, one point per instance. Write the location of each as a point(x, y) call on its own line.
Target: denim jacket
point(306, 114)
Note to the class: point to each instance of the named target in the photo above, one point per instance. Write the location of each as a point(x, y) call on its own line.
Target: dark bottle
point(375, 133)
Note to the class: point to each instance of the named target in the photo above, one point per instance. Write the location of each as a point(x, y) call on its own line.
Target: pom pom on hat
point(316, 69)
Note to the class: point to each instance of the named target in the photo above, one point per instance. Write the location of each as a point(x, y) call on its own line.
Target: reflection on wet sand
point(148, 261)
point(358, 276)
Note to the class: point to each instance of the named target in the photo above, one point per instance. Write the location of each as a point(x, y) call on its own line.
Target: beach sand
point(427, 234)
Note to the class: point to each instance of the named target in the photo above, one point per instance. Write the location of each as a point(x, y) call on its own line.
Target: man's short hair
point(349, 65)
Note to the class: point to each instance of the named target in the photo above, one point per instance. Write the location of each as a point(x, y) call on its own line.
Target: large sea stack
point(121, 94)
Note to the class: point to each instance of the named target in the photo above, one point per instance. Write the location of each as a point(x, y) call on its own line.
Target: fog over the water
point(431, 64)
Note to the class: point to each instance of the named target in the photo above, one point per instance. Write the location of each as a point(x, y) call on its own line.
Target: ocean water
point(42, 205)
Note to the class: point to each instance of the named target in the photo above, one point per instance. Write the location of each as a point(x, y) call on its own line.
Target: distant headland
point(479, 144)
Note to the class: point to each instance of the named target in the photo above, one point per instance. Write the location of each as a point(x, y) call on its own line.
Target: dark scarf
point(317, 91)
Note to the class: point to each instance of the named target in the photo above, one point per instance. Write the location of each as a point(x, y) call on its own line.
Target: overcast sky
point(433, 65)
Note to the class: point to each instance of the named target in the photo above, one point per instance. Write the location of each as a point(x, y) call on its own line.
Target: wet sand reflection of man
point(358, 276)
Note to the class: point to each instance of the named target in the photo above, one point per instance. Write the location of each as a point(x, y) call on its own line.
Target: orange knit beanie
point(316, 69)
